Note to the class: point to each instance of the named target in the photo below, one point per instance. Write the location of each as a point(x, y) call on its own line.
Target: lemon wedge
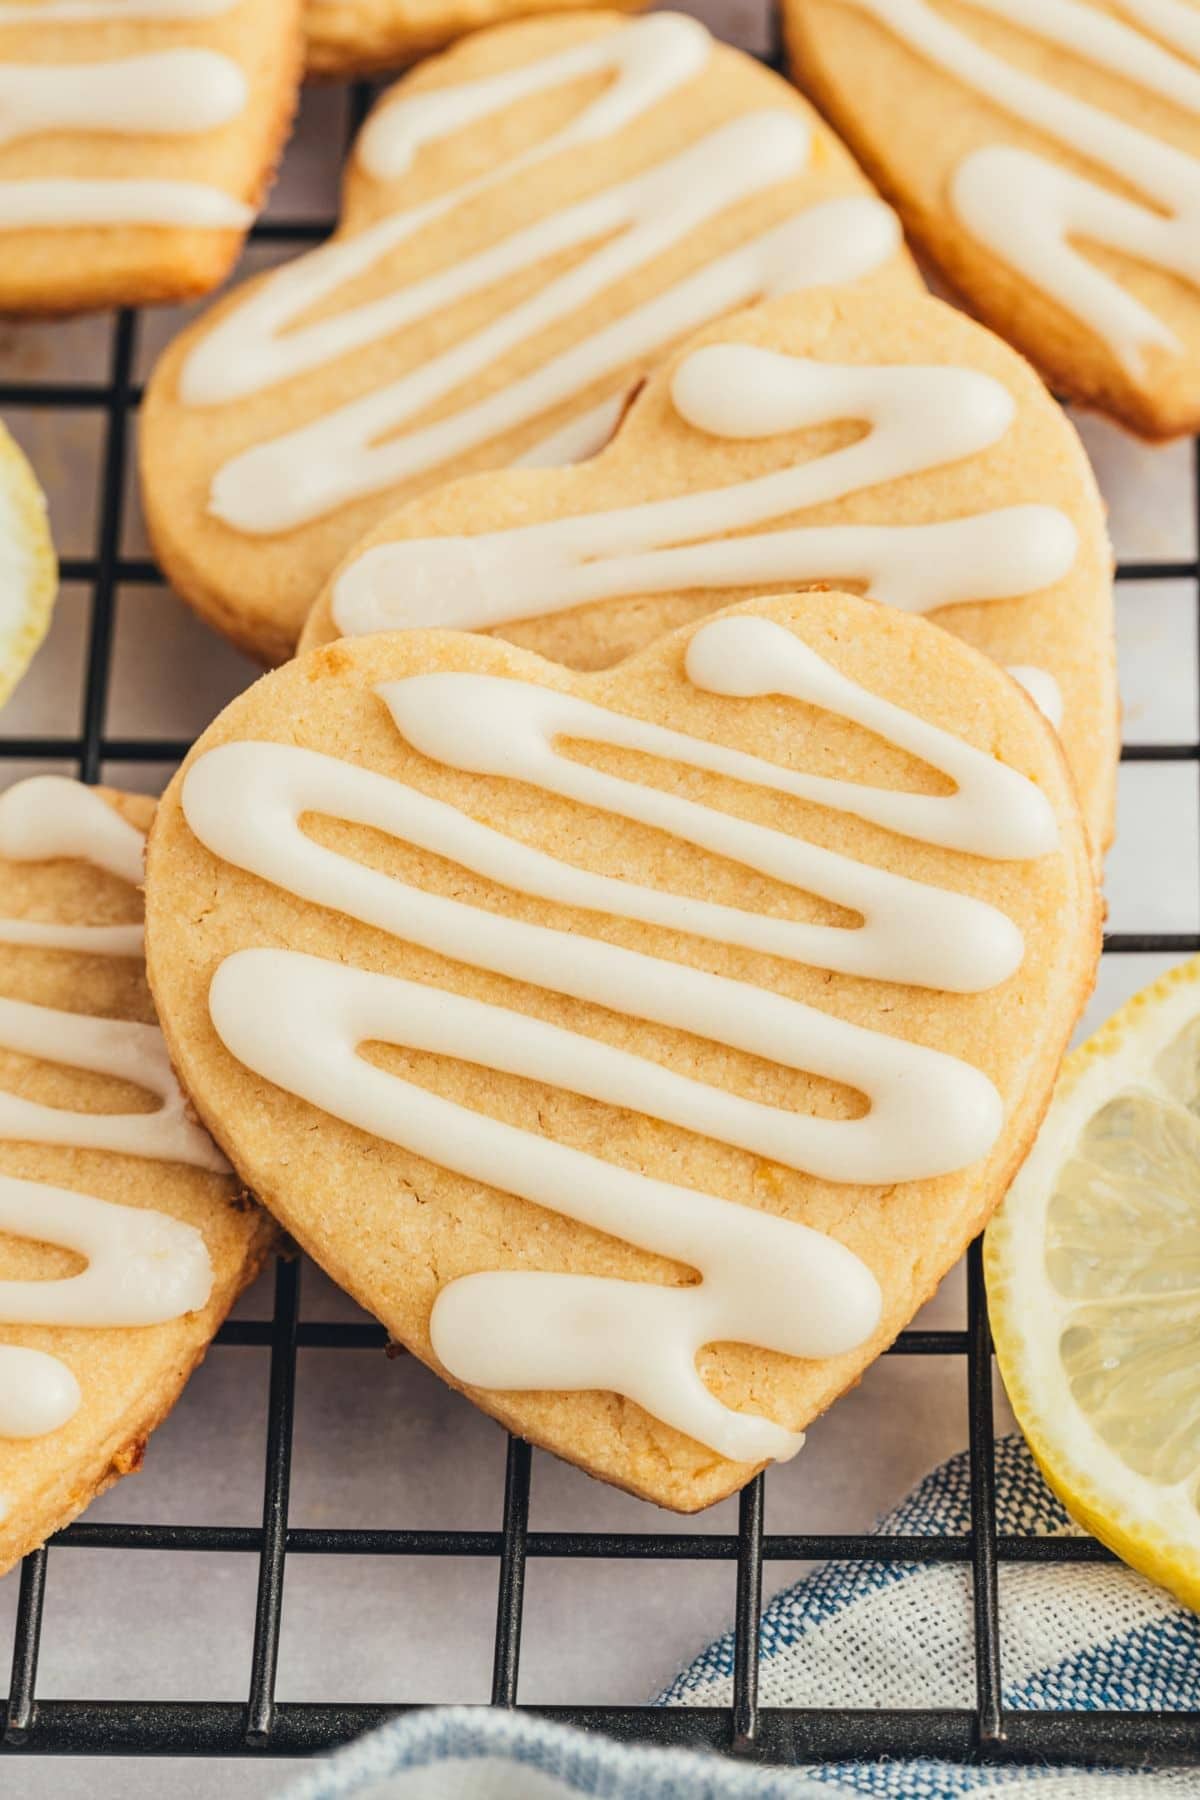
point(28, 567)
point(1093, 1276)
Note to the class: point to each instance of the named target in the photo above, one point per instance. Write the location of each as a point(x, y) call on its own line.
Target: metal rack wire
point(264, 1725)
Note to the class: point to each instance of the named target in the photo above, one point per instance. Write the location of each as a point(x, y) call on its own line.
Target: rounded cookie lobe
point(812, 439)
point(531, 222)
point(639, 1046)
point(124, 1237)
point(1047, 159)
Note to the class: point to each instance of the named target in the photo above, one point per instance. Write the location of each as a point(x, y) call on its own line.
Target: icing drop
point(1026, 208)
point(38, 1394)
point(371, 443)
point(176, 92)
point(920, 418)
point(299, 1021)
point(48, 816)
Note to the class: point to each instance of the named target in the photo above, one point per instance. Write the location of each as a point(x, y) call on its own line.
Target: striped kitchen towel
point(852, 1634)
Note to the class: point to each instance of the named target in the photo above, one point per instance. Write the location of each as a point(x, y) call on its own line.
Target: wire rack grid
point(262, 1724)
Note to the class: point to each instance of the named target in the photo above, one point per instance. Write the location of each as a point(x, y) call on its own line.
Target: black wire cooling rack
point(264, 1725)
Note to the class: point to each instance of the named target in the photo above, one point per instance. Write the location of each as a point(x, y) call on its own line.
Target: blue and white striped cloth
point(853, 1634)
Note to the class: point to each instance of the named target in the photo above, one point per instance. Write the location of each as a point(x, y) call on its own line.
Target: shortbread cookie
point(742, 468)
point(526, 998)
point(531, 221)
point(1045, 154)
point(352, 37)
point(137, 139)
point(124, 1238)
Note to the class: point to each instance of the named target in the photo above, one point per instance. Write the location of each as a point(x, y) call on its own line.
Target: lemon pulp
point(28, 569)
point(1093, 1267)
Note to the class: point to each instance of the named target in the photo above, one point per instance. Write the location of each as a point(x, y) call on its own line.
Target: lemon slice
point(28, 568)
point(1093, 1273)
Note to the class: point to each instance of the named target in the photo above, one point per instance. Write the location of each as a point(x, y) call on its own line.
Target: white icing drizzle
point(143, 1266)
point(249, 351)
point(766, 1281)
point(92, 12)
point(117, 1047)
point(1042, 689)
point(650, 59)
point(177, 92)
point(142, 1269)
point(371, 443)
point(299, 1021)
point(1026, 208)
point(581, 437)
point(82, 201)
point(358, 449)
point(920, 418)
point(48, 817)
point(1170, 20)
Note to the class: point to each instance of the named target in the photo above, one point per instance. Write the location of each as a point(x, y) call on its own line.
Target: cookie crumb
point(129, 1460)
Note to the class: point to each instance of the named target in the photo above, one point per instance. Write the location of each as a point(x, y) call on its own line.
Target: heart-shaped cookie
point(137, 141)
point(743, 467)
point(641, 1048)
point(531, 221)
point(124, 1238)
point(1046, 156)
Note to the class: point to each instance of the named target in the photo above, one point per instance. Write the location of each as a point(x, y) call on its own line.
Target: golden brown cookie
point(1045, 155)
point(137, 141)
point(352, 37)
point(531, 221)
point(742, 468)
point(124, 1237)
point(640, 1047)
